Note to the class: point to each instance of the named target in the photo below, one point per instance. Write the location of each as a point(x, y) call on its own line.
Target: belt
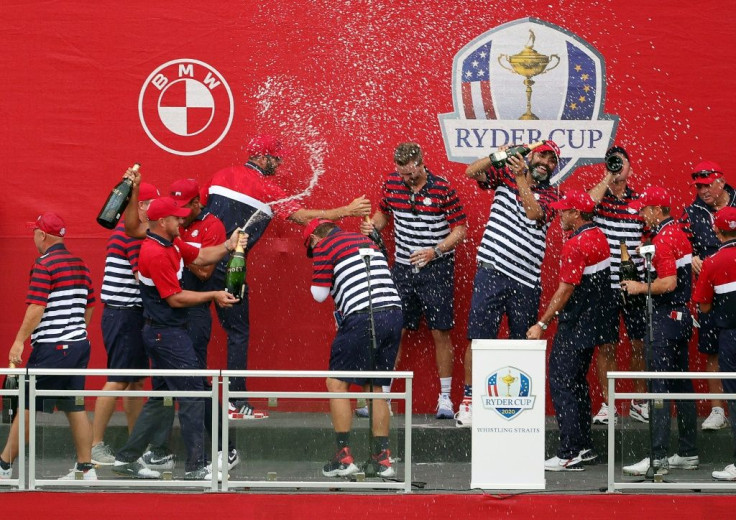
point(376, 309)
point(158, 325)
point(135, 307)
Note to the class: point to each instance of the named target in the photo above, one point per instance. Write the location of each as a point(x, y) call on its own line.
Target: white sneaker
point(602, 416)
point(661, 466)
point(444, 407)
point(233, 459)
point(90, 474)
point(677, 462)
point(728, 473)
point(6, 474)
point(464, 415)
point(639, 411)
point(102, 455)
point(716, 420)
point(558, 464)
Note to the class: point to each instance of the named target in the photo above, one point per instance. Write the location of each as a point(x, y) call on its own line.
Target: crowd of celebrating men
point(166, 262)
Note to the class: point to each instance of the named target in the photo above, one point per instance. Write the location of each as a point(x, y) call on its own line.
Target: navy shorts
point(121, 333)
point(72, 354)
point(634, 321)
point(430, 292)
point(352, 344)
point(495, 294)
point(707, 333)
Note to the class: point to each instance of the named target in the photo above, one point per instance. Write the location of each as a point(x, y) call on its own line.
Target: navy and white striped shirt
point(512, 243)
point(61, 283)
point(422, 219)
point(119, 285)
point(619, 224)
point(339, 266)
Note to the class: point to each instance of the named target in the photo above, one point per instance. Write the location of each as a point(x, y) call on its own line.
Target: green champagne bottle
point(235, 272)
point(116, 203)
point(628, 271)
point(498, 159)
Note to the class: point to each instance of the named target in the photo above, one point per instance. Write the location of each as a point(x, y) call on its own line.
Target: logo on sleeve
point(186, 107)
point(525, 81)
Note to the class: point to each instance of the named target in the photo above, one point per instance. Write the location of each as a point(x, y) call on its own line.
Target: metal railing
point(220, 379)
point(614, 485)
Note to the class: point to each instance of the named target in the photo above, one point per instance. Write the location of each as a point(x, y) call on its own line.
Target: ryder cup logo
point(525, 81)
point(186, 107)
point(509, 392)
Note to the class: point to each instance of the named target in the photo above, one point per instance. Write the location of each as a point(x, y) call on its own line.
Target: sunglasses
point(702, 174)
point(413, 202)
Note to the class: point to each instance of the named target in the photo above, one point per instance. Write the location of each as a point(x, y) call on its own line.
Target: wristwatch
point(542, 325)
point(438, 252)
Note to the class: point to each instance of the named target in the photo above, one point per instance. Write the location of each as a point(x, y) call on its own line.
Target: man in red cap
point(672, 328)
point(582, 301)
point(59, 307)
point(246, 194)
point(715, 293)
point(713, 194)
point(351, 269)
point(122, 323)
point(508, 278)
point(612, 195)
point(200, 229)
point(167, 341)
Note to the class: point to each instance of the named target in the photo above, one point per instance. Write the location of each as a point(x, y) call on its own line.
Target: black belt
point(382, 308)
point(133, 307)
point(158, 325)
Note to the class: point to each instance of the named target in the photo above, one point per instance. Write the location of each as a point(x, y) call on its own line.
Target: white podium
point(508, 414)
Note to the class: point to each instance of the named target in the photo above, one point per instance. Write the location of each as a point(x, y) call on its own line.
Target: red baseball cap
point(309, 229)
point(725, 219)
point(265, 144)
point(165, 207)
point(50, 223)
point(184, 190)
point(652, 196)
point(575, 199)
point(147, 191)
point(706, 172)
point(549, 146)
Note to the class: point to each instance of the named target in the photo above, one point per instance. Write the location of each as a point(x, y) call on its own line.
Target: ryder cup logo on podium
point(525, 81)
point(509, 392)
point(186, 107)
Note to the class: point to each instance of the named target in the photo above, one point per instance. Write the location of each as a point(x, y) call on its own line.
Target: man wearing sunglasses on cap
point(712, 194)
point(429, 222)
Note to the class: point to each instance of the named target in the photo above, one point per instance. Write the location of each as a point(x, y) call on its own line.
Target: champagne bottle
point(498, 159)
point(235, 271)
point(375, 236)
point(116, 203)
point(628, 271)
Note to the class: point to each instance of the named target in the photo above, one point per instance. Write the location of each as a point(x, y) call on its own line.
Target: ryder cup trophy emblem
point(528, 63)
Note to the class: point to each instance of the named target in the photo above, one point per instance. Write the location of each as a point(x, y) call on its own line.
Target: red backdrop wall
point(342, 83)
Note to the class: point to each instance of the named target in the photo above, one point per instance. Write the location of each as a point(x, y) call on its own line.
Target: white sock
point(445, 385)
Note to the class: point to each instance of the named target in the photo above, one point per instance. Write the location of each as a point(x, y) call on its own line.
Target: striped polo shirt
point(586, 264)
point(339, 266)
point(236, 193)
point(619, 224)
point(119, 286)
point(62, 284)
point(512, 243)
point(717, 285)
point(672, 257)
point(422, 219)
